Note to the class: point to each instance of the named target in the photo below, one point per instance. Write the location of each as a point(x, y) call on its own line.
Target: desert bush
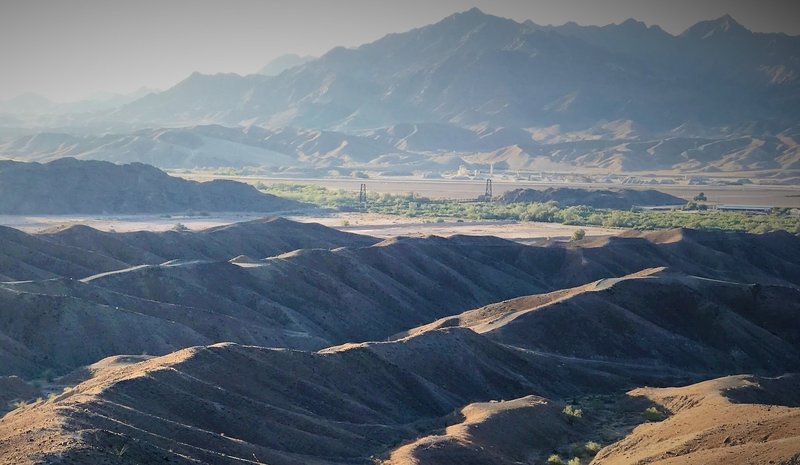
point(345, 222)
point(653, 414)
point(577, 235)
point(555, 460)
point(180, 227)
point(20, 404)
point(592, 447)
point(572, 412)
point(574, 461)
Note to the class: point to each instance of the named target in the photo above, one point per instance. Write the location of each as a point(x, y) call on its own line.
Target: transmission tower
point(487, 196)
point(362, 197)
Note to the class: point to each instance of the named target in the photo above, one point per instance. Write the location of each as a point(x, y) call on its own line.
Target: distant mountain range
point(622, 97)
point(473, 68)
point(413, 148)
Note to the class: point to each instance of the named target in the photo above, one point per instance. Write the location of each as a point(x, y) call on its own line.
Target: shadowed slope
point(227, 404)
point(311, 298)
point(24, 256)
point(653, 317)
point(80, 251)
point(258, 238)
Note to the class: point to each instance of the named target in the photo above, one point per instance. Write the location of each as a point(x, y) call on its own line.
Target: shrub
point(653, 414)
point(555, 460)
point(578, 234)
point(180, 227)
point(345, 222)
point(574, 461)
point(572, 412)
point(592, 447)
point(701, 197)
point(20, 404)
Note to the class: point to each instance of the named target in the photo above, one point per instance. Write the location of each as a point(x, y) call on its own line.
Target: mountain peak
point(724, 25)
point(473, 15)
point(475, 11)
point(632, 23)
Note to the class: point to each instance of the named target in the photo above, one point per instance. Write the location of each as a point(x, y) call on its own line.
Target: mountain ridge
point(622, 97)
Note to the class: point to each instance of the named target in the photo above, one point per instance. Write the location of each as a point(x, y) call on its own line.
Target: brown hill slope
point(24, 256)
point(260, 238)
point(229, 404)
point(309, 299)
point(709, 426)
point(666, 319)
point(80, 251)
point(493, 433)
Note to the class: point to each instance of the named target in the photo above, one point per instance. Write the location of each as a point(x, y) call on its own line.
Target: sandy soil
point(385, 226)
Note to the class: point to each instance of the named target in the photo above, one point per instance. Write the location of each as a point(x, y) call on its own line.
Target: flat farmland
point(751, 194)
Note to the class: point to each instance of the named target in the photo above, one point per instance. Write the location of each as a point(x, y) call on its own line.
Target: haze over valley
point(472, 89)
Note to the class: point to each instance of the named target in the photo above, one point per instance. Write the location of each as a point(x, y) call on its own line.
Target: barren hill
point(652, 318)
point(726, 304)
point(80, 251)
point(69, 186)
point(706, 425)
point(226, 404)
point(310, 298)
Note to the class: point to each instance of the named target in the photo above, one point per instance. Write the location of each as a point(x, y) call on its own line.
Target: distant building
point(745, 208)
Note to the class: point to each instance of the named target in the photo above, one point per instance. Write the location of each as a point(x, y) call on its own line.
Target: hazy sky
point(69, 49)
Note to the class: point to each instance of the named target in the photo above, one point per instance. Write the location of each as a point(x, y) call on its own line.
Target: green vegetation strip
point(412, 205)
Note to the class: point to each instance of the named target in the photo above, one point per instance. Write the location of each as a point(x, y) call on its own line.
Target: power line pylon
point(362, 197)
